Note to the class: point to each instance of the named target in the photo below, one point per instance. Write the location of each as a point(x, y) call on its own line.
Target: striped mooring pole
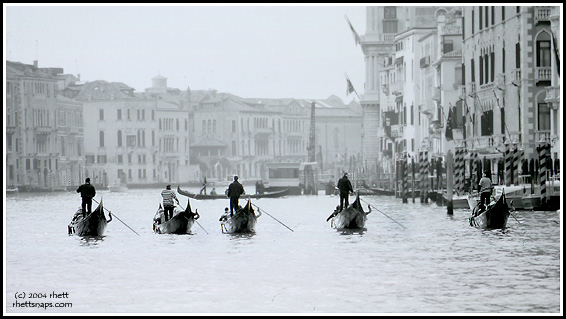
point(515, 166)
point(543, 151)
point(507, 158)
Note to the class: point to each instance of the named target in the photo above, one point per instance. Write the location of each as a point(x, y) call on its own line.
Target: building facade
point(43, 131)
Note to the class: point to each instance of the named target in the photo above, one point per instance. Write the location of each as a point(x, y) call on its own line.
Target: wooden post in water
point(449, 182)
point(413, 176)
point(404, 172)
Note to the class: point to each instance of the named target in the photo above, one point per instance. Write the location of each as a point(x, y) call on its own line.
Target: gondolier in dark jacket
point(168, 204)
point(87, 194)
point(234, 191)
point(345, 187)
point(485, 190)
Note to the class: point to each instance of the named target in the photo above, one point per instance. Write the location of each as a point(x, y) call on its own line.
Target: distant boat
point(353, 217)
point(242, 221)
point(12, 189)
point(275, 194)
point(118, 187)
point(493, 217)
point(93, 224)
point(180, 223)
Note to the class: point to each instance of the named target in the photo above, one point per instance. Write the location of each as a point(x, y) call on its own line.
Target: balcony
point(542, 136)
point(543, 73)
point(451, 30)
point(553, 97)
point(542, 14)
point(516, 76)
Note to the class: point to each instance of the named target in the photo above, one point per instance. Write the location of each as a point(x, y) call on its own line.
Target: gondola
point(275, 194)
point(493, 217)
point(181, 222)
point(93, 224)
point(242, 221)
point(352, 217)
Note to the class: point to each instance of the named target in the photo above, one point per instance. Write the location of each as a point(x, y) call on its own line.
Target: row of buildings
point(489, 74)
point(60, 131)
point(492, 70)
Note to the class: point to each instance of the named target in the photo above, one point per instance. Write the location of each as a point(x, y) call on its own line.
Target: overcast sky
point(253, 51)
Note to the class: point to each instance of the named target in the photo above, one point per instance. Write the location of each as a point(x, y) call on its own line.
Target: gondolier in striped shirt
point(485, 190)
point(168, 203)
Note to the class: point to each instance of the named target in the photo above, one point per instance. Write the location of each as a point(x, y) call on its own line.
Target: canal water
point(411, 258)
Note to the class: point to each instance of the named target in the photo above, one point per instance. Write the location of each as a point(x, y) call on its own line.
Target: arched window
point(213, 126)
point(543, 50)
point(204, 126)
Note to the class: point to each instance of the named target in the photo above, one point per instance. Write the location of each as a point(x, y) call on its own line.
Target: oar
point(272, 217)
point(384, 214)
point(109, 212)
point(515, 218)
point(195, 220)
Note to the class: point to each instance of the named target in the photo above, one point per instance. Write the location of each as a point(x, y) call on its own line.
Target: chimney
point(35, 64)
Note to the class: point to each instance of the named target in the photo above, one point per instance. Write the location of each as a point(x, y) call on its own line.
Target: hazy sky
point(263, 51)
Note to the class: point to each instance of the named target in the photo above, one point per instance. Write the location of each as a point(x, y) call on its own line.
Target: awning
point(399, 60)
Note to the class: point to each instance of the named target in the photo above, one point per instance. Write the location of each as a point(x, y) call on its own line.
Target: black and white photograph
point(282, 159)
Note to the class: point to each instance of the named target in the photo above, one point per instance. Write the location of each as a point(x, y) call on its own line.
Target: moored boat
point(495, 215)
point(93, 224)
point(242, 221)
point(118, 187)
point(275, 194)
point(181, 222)
point(352, 217)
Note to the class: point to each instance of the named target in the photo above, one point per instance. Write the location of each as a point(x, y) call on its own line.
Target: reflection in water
point(91, 240)
point(408, 258)
point(354, 231)
point(244, 236)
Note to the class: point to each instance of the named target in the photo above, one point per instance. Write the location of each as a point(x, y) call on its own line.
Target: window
point(492, 64)
point(473, 20)
point(119, 115)
point(481, 18)
point(543, 53)
point(481, 70)
point(233, 126)
point(448, 46)
point(101, 115)
point(101, 138)
point(119, 138)
point(487, 123)
point(390, 13)
point(389, 26)
point(473, 71)
point(543, 117)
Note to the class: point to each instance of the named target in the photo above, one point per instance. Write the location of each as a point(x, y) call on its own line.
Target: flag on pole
point(356, 36)
point(350, 87)
point(449, 126)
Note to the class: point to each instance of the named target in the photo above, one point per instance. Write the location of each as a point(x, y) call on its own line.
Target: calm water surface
point(433, 263)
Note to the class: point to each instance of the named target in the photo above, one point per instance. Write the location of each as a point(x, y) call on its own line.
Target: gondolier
point(345, 187)
point(168, 204)
point(486, 188)
point(234, 191)
point(87, 194)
